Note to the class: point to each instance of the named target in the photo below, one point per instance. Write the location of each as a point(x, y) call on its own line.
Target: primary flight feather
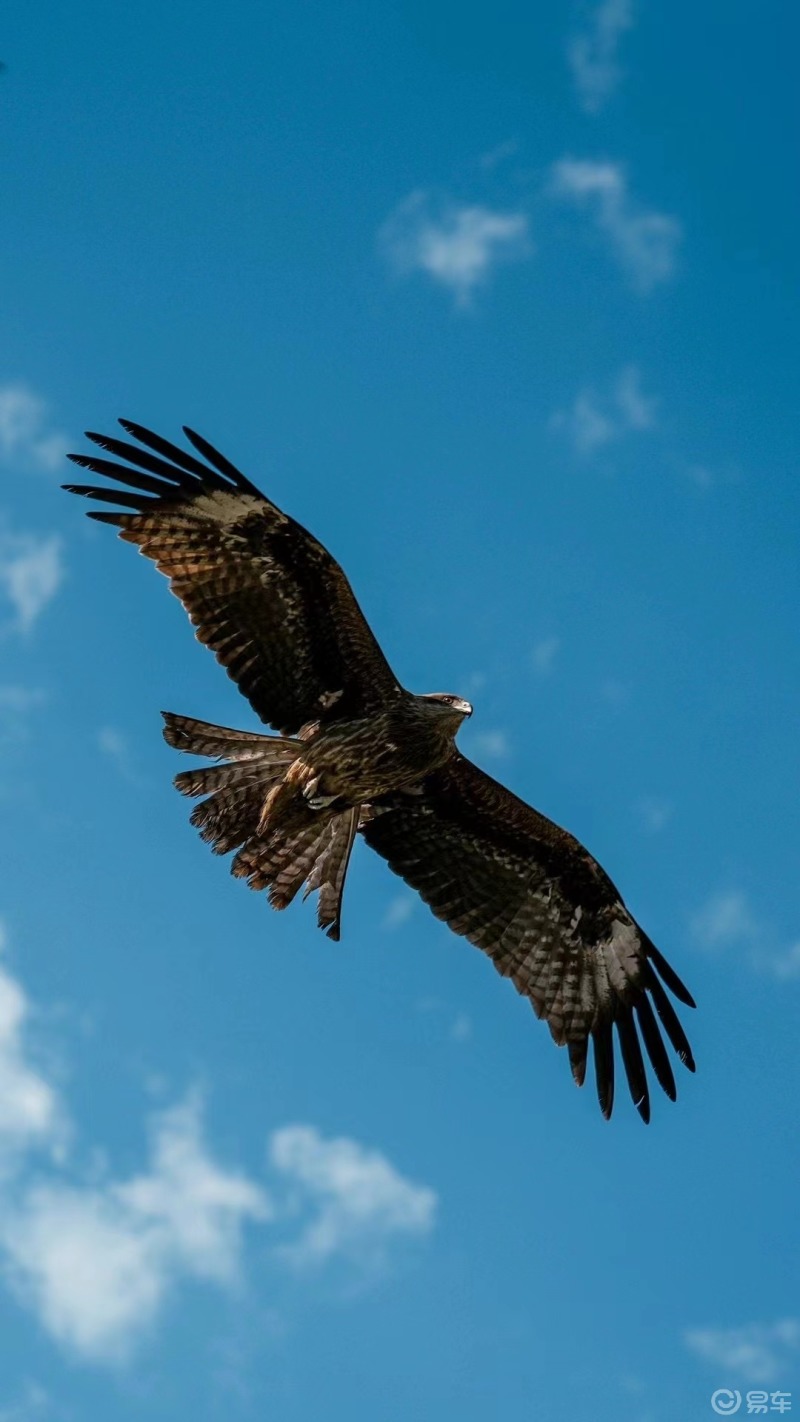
point(356, 753)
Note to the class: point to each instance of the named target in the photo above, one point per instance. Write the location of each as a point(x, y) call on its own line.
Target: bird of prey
point(356, 753)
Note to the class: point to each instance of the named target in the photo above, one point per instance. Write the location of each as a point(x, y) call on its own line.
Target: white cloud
point(399, 911)
point(592, 53)
point(594, 419)
point(637, 411)
point(456, 1025)
point(457, 246)
point(644, 242)
point(461, 1028)
point(114, 745)
point(614, 692)
point(30, 1113)
point(32, 1402)
point(758, 1352)
point(97, 1259)
point(96, 1263)
point(784, 964)
point(654, 814)
point(499, 154)
point(31, 572)
point(493, 744)
point(544, 654)
point(20, 699)
point(726, 920)
point(94, 1278)
point(585, 423)
point(25, 435)
point(359, 1200)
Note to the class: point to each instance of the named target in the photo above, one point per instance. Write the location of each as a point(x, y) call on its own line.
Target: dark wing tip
point(670, 977)
point(117, 519)
point(220, 463)
point(604, 1067)
point(670, 1022)
point(633, 1062)
point(654, 1044)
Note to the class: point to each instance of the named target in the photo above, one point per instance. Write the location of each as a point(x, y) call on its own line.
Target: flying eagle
point(356, 753)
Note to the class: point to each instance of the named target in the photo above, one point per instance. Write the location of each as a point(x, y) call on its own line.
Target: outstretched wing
point(536, 901)
point(270, 601)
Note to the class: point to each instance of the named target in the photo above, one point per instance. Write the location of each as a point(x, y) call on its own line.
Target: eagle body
point(355, 754)
point(359, 761)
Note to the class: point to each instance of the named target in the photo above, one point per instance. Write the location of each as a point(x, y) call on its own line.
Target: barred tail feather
point(330, 871)
point(314, 850)
point(300, 846)
point(184, 733)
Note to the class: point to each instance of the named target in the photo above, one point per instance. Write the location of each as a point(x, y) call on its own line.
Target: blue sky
point(502, 303)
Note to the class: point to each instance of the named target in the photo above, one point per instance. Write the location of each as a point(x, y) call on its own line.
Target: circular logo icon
point(726, 1402)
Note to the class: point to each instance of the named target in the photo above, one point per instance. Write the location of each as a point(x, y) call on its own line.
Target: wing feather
point(548, 916)
point(263, 594)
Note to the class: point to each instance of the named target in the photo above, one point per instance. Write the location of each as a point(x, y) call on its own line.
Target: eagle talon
point(320, 802)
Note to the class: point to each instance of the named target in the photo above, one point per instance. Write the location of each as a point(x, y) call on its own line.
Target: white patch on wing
point(623, 955)
point(225, 507)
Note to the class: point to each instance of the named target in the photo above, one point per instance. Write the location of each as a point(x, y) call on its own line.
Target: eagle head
point(444, 704)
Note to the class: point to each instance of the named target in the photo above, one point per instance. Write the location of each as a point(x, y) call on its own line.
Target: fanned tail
point(313, 849)
point(299, 846)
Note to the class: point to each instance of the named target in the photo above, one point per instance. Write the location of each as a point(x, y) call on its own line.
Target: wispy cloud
point(358, 1199)
point(494, 744)
point(114, 746)
point(31, 1403)
point(724, 919)
point(456, 1025)
point(26, 436)
point(727, 920)
point(461, 1028)
point(398, 912)
point(654, 814)
point(31, 572)
point(456, 245)
point(17, 705)
point(501, 153)
point(30, 1112)
point(544, 655)
point(599, 418)
point(757, 1352)
point(592, 53)
point(97, 1259)
point(644, 242)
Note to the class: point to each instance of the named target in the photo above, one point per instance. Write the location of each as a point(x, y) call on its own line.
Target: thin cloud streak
point(757, 1352)
point(25, 434)
point(727, 921)
point(644, 242)
point(592, 53)
point(596, 419)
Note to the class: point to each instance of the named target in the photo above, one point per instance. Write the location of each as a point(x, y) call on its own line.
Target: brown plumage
point(358, 753)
